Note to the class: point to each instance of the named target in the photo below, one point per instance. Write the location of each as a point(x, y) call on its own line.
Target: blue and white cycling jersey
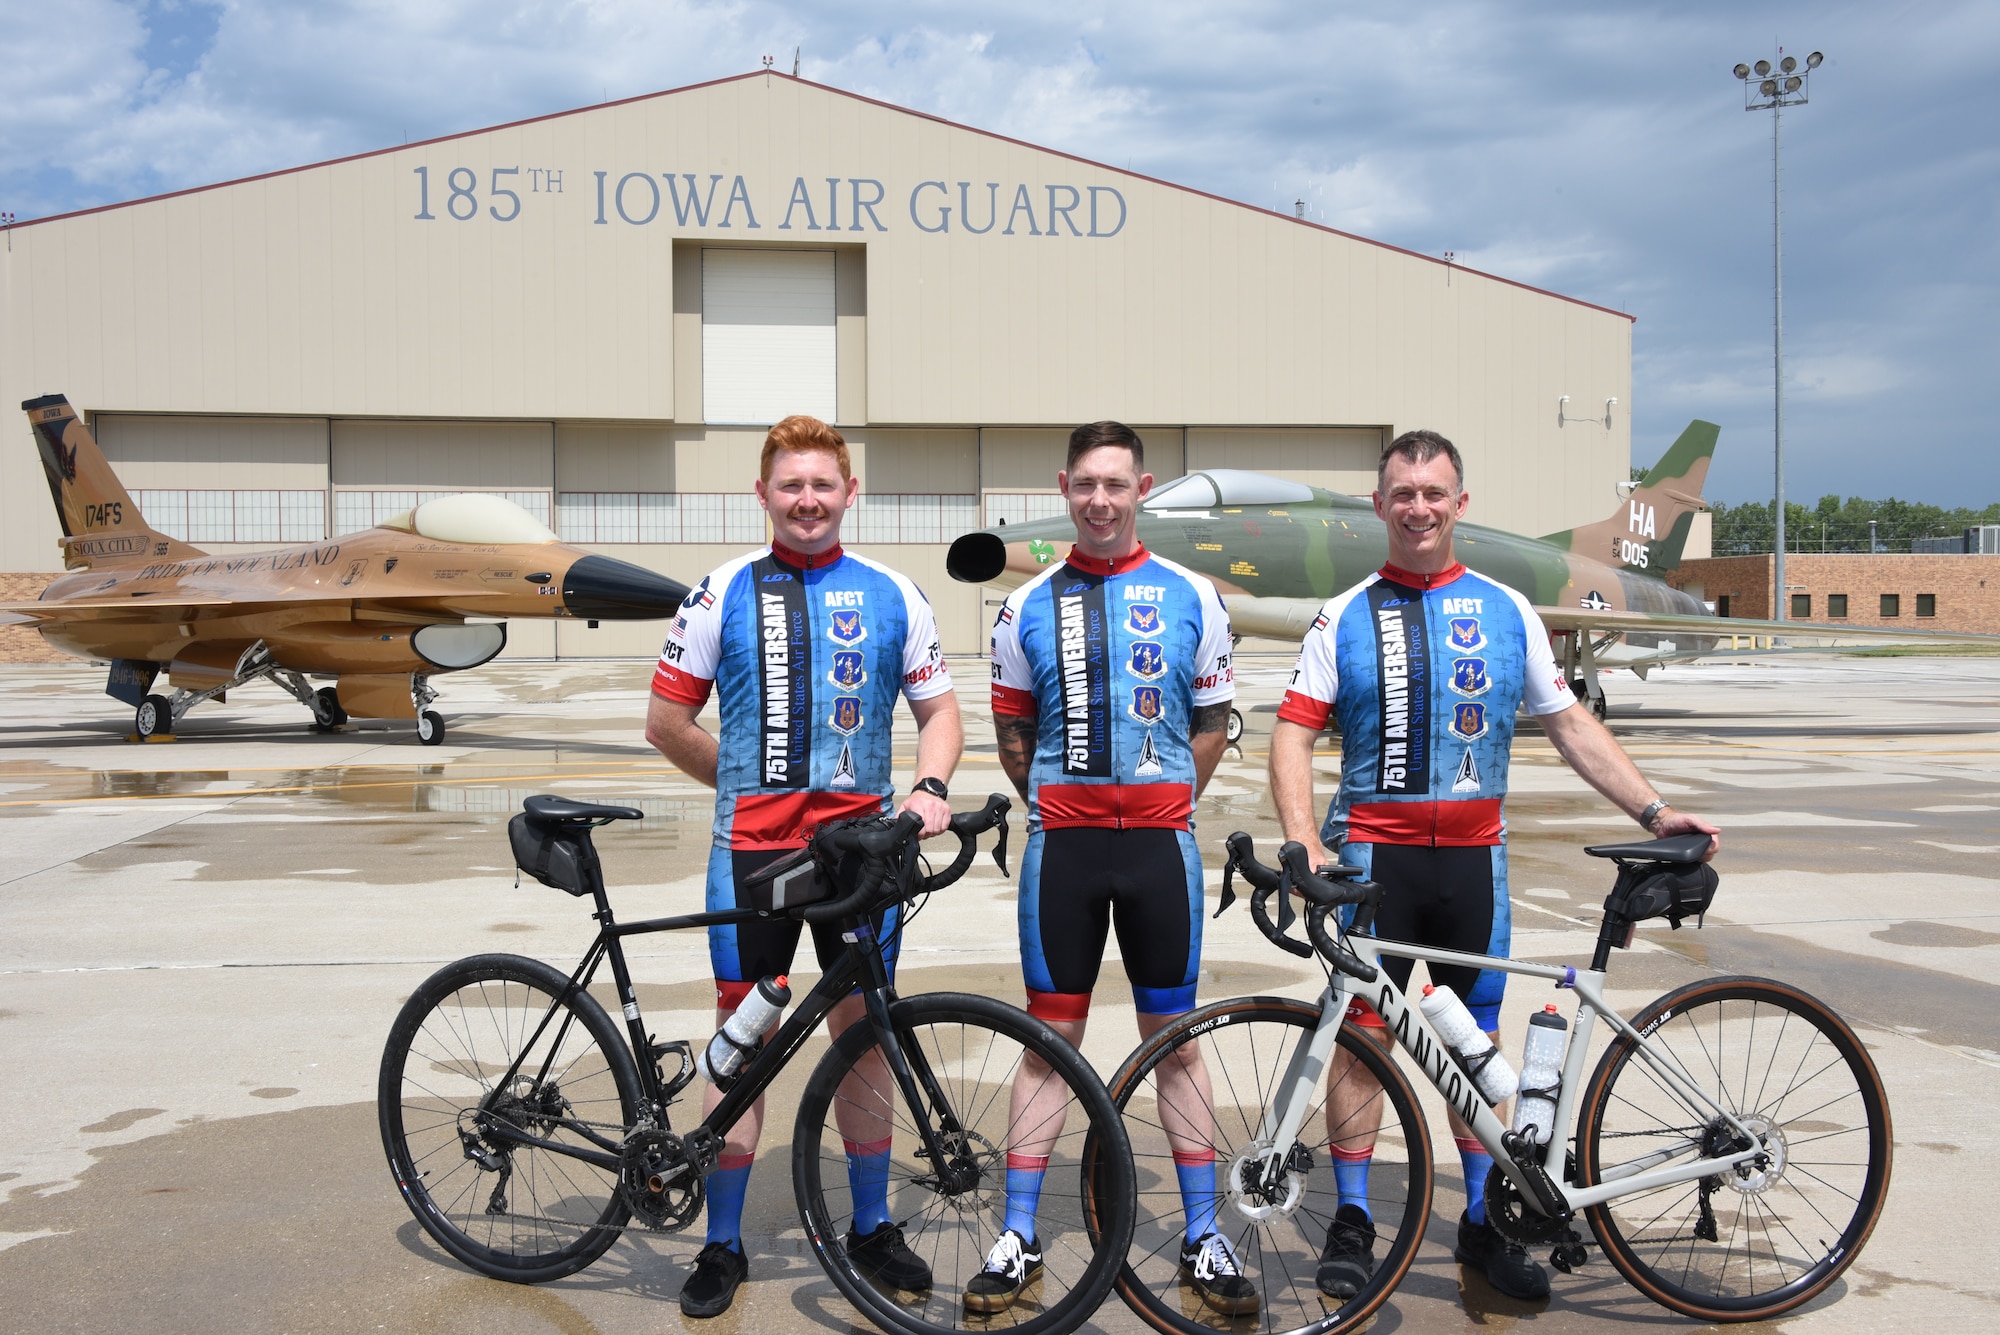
point(1112, 658)
point(809, 654)
point(1425, 674)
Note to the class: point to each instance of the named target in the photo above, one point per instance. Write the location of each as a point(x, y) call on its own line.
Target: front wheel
point(1755, 1241)
point(482, 1055)
point(430, 727)
point(153, 718)
point(997, 1080)
point(1274, 1203)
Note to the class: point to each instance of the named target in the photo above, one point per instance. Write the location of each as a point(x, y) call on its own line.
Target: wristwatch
point(935, 787)
point(1646, 817)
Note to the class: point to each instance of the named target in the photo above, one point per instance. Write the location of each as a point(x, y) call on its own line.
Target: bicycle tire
point(459, 1032)
point(1783, 1236)
point(1247, 1044)
point(974, 1046)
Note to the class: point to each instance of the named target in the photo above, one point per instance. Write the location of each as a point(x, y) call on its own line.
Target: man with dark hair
point(1424, 664)
point(807, 647)
point(1111, 687)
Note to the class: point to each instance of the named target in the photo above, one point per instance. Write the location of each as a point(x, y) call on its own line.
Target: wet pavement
point(203, 943)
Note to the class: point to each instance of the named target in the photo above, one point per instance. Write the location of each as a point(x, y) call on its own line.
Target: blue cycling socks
point(1350, 1176)
point(1197, 1176)
point(1024, 1191)
point(868, 1175)
point(726, 1186)
point(1478, 1163)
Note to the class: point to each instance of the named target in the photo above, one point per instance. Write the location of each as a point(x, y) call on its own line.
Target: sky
point(1598, 150)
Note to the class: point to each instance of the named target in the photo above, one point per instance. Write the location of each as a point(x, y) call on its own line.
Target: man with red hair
point(807, 647)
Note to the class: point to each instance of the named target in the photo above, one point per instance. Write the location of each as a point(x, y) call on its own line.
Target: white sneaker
point(1210, 1264)
point(1011, 1266)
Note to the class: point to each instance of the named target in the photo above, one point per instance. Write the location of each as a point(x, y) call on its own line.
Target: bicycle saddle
point(1673, 848)
point(563, 810)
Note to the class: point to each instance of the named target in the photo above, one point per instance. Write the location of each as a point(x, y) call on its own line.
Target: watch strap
point(935, 787)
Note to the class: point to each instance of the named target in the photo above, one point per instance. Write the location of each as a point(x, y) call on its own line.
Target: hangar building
point(596, 313)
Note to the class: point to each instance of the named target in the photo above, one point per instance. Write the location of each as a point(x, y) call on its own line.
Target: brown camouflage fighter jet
point(380, 611)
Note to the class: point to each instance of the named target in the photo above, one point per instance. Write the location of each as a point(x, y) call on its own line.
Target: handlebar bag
point(793, 881)
point(553, 855)
point(1658, 891)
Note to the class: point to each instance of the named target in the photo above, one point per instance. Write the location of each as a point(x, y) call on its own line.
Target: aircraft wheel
point(153, 718)
point(1232, 731)
point(430, 728)
point(331, 715)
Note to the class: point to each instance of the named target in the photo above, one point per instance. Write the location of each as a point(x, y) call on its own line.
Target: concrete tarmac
point(203, 943)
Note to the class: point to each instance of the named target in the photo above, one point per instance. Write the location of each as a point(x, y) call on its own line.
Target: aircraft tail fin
point(1649, 529)
point(100, 523)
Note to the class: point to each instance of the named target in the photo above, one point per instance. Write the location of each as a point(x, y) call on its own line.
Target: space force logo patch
point(1468, 720)
point(1466, 635)
point(1468, 676)
point(1148, 661)
point(846, 628)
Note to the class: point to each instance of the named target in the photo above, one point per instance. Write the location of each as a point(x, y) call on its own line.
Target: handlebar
point(880, 841)
point(1333, 886)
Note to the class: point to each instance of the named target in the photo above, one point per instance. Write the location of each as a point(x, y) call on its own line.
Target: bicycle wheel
point(1277, 1225)
point(972, 1048)
point(515, 1212)
point(1755, 1242)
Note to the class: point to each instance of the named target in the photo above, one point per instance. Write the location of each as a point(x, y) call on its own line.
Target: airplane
point(1277, 550)
point(381, 611)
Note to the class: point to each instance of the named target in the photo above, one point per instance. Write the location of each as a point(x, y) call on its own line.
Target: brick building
point(1924, 592)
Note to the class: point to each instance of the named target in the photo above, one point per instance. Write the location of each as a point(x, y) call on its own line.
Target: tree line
point(1839, 524)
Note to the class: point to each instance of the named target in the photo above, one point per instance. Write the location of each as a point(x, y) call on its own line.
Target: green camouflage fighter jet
point(1277, 550)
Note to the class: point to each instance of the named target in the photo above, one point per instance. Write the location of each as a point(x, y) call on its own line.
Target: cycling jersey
point(1113, 657)
point(809, 654)
point(1424, 674)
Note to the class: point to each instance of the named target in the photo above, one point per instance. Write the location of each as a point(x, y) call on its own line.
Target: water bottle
point(740, 1033)
point(1461, 1033)
point(1541, 1075)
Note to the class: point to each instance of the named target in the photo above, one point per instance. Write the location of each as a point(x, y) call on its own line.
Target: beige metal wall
point(220, 453)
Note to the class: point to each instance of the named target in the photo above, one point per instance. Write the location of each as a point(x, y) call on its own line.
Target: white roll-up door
point(767, 335)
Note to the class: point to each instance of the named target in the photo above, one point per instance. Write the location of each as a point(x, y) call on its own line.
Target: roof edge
point(857, 97)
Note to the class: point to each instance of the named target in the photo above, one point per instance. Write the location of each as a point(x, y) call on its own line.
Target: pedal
point(1569, 1254)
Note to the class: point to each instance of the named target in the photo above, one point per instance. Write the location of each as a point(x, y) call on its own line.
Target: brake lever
point(1228, 888)
point(1000, 846)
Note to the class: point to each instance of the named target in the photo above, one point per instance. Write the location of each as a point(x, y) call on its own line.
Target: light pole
point(1778, 88)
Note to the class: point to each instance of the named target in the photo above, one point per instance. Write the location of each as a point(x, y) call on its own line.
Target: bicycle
point(1730, 1151)
point(525, 1131)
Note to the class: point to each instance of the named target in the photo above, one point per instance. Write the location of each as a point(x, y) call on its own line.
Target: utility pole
point(1780, 87)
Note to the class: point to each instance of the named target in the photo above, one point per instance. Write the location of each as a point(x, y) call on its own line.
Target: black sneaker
point(1348, 1262)
point(1014, 1263)
point(884, 1257)
point(718, 1270)
point(1507, 1265)
point(1209, 1266)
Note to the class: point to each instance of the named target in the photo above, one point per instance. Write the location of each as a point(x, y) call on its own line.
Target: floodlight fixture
point(1788, 64)
point(1742, 71)
point(1813, 60)
point(1762, 67)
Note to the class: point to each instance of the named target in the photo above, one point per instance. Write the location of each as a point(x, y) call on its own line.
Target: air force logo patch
point(1466, 635)
point(1149, 660)
point(847, 674)
point(1468, 720)
point(1468, 676)
point(846, 628)
point(1146, 704)
point(846, 718)
point(1143, 619)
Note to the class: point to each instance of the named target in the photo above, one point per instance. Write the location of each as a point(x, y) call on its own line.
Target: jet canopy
point(474, 517)
point(1227, 486)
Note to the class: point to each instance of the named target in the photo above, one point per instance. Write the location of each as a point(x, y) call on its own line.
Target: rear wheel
point(451, 1114)
point(153, 718)
point(1232, 731)
point(430, 727)
point(972, 1049)
point(1756, 1241)
point(329, 714)
point(1277, 1221)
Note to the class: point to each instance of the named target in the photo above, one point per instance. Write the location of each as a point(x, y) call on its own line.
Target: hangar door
point(767, 335)
point(1338, 458)
point(213, 480)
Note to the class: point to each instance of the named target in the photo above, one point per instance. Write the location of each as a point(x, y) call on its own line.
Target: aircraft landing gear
point(327, 713)
point(1594, 699)
point(153, 718)
point(1232, 731)
point(430, 727)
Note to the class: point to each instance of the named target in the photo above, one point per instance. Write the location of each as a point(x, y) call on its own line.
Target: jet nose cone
point(604, 589)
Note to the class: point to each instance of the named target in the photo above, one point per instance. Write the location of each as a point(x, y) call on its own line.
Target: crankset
point(661, 1185)
point(1517, 1221)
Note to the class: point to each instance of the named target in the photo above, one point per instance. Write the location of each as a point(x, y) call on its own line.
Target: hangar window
point(767, 335)
point(887, 517)
point(1892, 604)
point(1836, 606)
point(235, 516)
point(1023, 507)
point(1926, 604)
point(354, 511)
point(658, 516)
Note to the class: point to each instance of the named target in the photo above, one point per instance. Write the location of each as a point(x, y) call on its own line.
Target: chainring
point(1517, 1221)
point(660, 1185)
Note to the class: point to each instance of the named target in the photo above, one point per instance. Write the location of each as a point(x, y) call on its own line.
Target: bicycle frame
point(1415, 1036)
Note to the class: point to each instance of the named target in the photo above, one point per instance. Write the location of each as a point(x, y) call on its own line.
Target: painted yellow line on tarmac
point(301, 788)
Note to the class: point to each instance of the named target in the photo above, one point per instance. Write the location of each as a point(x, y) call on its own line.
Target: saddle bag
point(555, 855)
point(792, 881)
point(1658, 890)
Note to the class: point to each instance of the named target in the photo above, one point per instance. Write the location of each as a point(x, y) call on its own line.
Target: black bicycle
point(526, 1131)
